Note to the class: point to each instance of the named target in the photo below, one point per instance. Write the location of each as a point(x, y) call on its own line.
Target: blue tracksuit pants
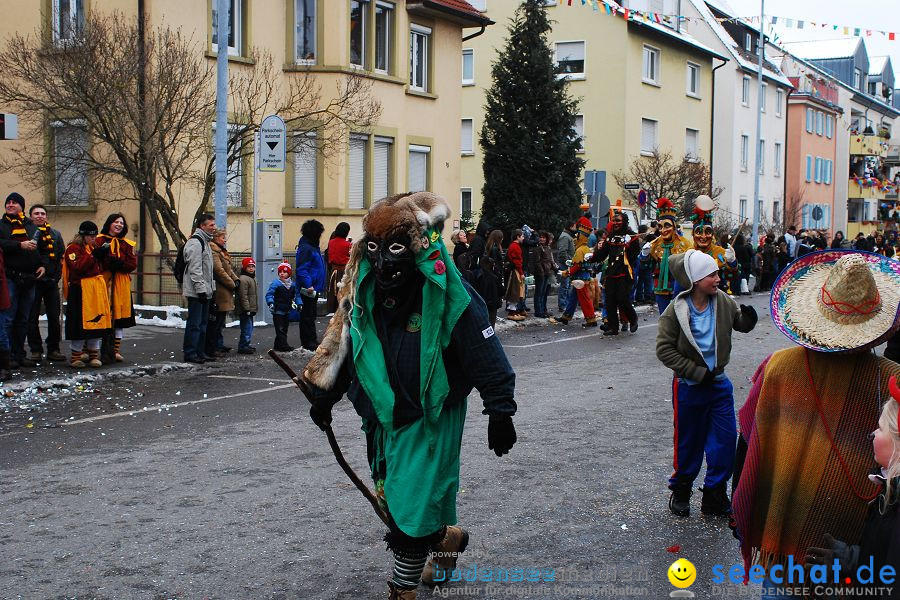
point(704, 424)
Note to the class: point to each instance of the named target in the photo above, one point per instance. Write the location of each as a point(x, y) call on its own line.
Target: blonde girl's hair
point(888, 423)
point(454, 237)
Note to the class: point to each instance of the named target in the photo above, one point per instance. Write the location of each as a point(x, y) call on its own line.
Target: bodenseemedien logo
point(682, 574)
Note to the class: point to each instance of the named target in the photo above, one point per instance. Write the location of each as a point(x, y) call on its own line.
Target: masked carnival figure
point(669, 243)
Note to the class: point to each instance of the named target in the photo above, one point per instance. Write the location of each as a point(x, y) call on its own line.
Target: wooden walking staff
point(332, 441)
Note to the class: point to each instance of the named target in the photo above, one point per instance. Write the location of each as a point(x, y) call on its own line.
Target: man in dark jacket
point(18, 240)
point(51, 248)
point(310, 275)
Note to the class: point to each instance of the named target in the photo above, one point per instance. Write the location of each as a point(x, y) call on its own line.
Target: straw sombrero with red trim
point(838, 300)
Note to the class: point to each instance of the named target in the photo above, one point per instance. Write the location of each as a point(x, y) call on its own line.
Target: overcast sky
point(876, 15)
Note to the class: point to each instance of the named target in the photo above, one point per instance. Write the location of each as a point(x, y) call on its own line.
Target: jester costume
point(408, 343)
point(118, 264)
point(580, 275)
point(703, 241)
point(667, 244)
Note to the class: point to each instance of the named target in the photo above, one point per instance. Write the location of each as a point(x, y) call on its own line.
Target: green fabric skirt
point(418, 487)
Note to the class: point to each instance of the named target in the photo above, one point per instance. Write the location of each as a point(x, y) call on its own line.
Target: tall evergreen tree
point(531, 169)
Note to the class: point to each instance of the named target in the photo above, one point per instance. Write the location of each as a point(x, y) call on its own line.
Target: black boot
point(680, 501)
point(5, 371)
point(715, 501)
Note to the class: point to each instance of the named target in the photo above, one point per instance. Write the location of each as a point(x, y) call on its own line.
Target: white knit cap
point(699, 265)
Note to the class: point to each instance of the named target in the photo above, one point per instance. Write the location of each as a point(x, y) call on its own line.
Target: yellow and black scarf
point(45, 241)
point(18, 227)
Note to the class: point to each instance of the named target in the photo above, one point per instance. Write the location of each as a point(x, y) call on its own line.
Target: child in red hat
point(247, 304)
point(282, 297)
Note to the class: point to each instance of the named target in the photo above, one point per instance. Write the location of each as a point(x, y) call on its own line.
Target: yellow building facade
point(641, 86)
point(409, 50)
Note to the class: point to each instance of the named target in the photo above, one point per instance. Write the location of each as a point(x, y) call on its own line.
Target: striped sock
point(93, 354)
point(408, 569)
point(117, 345)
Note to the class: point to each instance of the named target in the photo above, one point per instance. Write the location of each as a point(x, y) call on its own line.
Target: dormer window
point(748, 41)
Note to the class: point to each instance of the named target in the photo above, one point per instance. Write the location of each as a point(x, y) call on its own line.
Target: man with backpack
point(195, 266)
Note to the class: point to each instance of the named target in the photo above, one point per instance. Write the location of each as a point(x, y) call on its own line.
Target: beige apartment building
point(409, 50)
point(643, 86)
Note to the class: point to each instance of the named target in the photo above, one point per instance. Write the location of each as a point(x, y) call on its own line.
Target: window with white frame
point(359, 149)
point(648, 136)
point(810, 120)
point(418, 167)
point(358, 25)
point(779, 102)
point(381, 166)
point(384, 33)
point(820, 122)
point(762, 99)
point(873, 88)
point(70, 147)
point(468, 66)
point(467, 143)
point(857, 79)
point(745, 151)
point(693, 79)
point(570, 59)
point(419, 42)
point(809, 167)
point(305, 159)
point(777, 171)
point(235, 27)
point(742, 207)
point(692, 144)
point(68, 20)
point(762, 156)
point(305, 31)
point(579, 131)
point(776, 211)
point(748, 41)
point(829, 126)
point(745, 91)
point(650, 72)
point(465, 202)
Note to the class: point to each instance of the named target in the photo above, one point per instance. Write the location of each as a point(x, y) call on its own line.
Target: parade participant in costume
point(620, 250)
point(408, 343)
point(580, 274)
point(694, 340)
point(704, 240)
point(804, 428)
point(515, 279)
point(118, 264)
point(338, 255)
point(667, 244)
point(88, 314)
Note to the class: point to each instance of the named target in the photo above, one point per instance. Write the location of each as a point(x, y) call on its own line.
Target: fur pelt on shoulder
point(411, 214)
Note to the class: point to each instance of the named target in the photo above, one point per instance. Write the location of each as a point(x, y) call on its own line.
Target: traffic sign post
point(272, 144)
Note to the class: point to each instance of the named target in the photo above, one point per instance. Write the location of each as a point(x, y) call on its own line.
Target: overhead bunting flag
point(661, 18)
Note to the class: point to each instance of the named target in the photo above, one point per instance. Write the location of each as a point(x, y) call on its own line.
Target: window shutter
point(418, 169)
point(805, 218)
point(648, 135)
point(382, 166)
point(466, 141)
point(71, 171)
point(827, 218)
point(305, 172)
point(357, 198)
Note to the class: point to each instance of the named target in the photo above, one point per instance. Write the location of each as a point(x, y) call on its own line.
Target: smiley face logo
point(682, 573)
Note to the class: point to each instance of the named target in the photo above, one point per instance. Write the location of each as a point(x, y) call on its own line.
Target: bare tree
point(661, 175)
point(145, 113)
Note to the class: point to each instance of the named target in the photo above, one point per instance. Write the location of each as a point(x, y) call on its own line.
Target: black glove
point(749, 313)
point(116, 264)
point(708, 378)
point(101, 251)
point(202, 297)
point(501, 434)
point(321, 415)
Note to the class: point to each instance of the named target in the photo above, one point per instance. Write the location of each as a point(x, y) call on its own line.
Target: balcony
point(870, 189)
point(867, 145)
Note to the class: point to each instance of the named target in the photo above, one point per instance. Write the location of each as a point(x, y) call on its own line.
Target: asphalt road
point(211, 482)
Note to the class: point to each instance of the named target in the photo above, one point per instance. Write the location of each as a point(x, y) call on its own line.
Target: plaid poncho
point(793, 487)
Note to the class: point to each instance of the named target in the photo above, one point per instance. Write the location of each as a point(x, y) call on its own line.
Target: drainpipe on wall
point(712, 123)
point(142, 96)
point(476, 34)
point(784, 193)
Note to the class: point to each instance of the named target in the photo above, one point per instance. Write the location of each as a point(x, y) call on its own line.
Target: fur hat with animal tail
point(412, 214)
